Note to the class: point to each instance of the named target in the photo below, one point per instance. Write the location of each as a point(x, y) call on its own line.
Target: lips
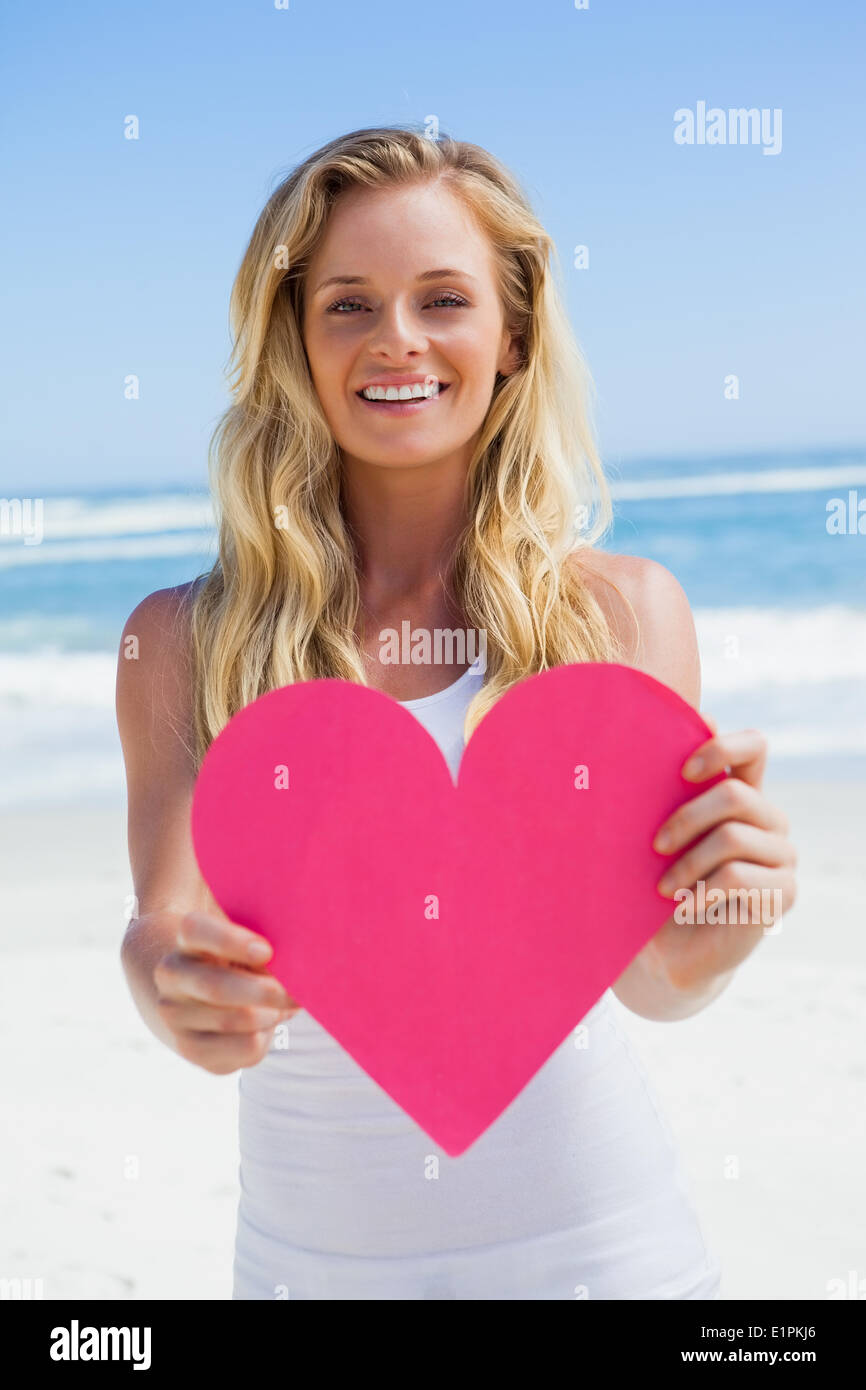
point(443, 387)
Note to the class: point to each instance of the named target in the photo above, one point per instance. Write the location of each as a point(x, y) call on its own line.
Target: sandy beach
point(119, 1166)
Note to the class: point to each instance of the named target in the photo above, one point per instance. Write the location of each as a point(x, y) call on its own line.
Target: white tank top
point(576, 1191)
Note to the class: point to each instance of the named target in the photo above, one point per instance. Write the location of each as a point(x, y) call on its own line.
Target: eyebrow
point(441, 274)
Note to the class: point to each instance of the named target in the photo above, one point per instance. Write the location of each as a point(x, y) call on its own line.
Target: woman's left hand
point(743, 846)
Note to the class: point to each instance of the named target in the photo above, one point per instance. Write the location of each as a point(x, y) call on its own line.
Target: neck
point(405, 524)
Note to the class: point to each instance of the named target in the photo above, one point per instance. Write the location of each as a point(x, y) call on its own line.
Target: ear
point(510, 353)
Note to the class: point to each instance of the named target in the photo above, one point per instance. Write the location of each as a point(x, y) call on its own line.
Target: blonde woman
point(446, 499)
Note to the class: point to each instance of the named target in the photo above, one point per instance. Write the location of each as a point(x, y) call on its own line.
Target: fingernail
point(662, 841)
point(258, 950)
point(665, 885)
point(693, 766)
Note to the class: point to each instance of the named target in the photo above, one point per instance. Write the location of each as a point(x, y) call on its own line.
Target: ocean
point(777, 587)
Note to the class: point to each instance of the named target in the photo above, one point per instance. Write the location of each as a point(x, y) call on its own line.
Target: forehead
point(408, 229)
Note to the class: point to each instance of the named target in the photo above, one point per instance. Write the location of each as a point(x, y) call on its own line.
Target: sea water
point(779, 601)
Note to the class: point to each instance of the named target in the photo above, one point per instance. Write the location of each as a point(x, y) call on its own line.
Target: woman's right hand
point(215, 996)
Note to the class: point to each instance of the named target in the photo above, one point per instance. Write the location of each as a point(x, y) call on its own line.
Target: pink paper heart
point(544, 891)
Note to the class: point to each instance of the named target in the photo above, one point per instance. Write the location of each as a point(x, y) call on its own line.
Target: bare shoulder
point(649, 615)
point(154, 676)
point(155, 717)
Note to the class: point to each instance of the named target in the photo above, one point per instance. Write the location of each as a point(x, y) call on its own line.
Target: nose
point(397, 332)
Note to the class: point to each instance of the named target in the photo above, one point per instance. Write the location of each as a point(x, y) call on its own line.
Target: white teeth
point(401, 393)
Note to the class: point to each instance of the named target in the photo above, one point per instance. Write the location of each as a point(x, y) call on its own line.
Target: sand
point(118, 1170)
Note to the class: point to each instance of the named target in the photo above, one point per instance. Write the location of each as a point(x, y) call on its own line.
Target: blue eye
point(451, 300)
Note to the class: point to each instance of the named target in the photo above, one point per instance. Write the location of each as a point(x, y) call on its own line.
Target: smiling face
point(413, 298)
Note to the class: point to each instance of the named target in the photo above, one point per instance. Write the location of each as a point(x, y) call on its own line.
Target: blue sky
point(704, 260)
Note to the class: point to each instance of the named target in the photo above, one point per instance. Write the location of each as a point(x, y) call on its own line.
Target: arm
point(188, 968)
point(153, 699)
point(684, 967)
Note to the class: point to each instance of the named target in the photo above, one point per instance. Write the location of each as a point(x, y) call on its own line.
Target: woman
point(388, 260)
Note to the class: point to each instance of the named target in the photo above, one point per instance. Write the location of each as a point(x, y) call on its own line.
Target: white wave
point(184, 523)
point(741, 649)
point(799, 677)
point(65, 517)
point(744, 648)
point(197, 544)
point(56, 678)
point(807, 740)
point(721, 484)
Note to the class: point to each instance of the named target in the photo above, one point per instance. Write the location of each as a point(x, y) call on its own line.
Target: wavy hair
point(281, 602)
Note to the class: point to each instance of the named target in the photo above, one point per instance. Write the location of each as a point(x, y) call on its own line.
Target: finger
point(224, 1052)
point(708, 719)
point(744, 753)
point(225, 940)
point(739, 894)
point(732, 842)
point(185, 1016)
point(728, 800)
point(184, 977)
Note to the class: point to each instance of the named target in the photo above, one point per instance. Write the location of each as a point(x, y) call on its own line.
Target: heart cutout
point(544, 890)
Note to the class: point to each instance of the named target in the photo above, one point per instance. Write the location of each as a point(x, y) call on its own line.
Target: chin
point(384, 452)
point(404, 458)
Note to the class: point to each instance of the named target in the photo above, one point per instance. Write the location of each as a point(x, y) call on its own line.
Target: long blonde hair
point(281, 602)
